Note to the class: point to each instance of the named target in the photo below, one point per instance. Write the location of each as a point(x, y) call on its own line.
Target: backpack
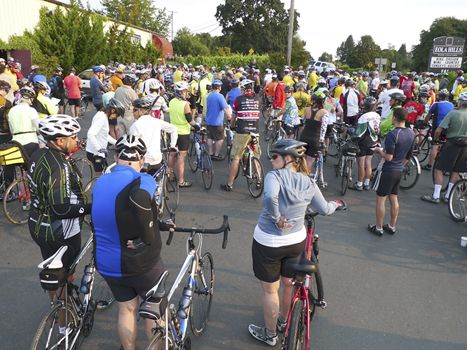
point(155, 113)
point(53, 85)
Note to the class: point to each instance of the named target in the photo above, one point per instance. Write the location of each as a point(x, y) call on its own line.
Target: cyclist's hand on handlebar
point(196, 127)
point(341, 205)
point(166, 225)
point(173, 149)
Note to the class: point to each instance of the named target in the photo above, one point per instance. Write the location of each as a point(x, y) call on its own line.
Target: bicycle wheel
point(17, 201)
point(337, 167)
point(193, 157)
point(203, 292)
point(256, 181)
point(47, 335)
point(424, 147)
point(315, 290)
point(273, 138)
point(345, 178)
point(458, 201)
point(171, 193)
point(101, 292)
point(410, 174)
point(83, 168)
point(157, 341)
point(206, 170)
point(84, 103)
point(445, 183)
point(296, 338)
point(333, 149)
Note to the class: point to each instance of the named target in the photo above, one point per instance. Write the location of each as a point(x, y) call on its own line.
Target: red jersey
point(408, 86)
point(72, 84)
point(414, 110)
point(279, 96)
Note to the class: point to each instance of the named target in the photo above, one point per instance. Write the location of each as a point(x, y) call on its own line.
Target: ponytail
point(300, 166)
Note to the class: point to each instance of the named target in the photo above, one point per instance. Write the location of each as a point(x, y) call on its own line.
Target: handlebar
point(225, 227)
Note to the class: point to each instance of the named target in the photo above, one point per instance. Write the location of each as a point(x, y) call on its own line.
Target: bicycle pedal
point(321, 303)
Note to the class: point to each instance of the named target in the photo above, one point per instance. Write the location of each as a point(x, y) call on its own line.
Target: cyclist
point(289, 113)
point(396, 101)
point(280, 232)
point(57, 90)
point(351, 101)
point(126, 234)
point(233, 93)
point(97, 87)
point(398, 146)
point(314, 131)
point(416, 109)
point(5, 105)
point(150, 129)
point(362, 85)
point(10, 79)
point(384, 97)
point(42, 104)
point(367, 131)
point(453, 156)
point(312, 78)
point(126, 95)
point(116, 78)
point(302, 98)
point(72, 85)
point(245, 120)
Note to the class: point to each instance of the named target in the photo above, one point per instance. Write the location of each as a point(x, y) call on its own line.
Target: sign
point(381, 61)
point(393, 65)
point(447, 54)
point(135, 39)
point(251, 51)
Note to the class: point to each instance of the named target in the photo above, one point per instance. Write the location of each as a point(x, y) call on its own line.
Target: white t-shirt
point(352, 103)
point(160, 103)
point(98, 134)
point(144, 88)
point(149, 129)
point(274, 241)
point(384, 101)
point(23, 121)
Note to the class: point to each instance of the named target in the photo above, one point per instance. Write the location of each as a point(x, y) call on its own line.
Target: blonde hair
point(300, 166)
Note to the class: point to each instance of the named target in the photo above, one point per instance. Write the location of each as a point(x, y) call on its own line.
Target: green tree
point(327, 57)
point(345, 49)
point(443, 26)
point(364, 53)
point(140, 13)
point(185, 43)
point(300, 56)
point(258, 24)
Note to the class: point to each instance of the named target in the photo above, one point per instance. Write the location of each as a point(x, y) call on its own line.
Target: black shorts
point(183, 142)
point(215, 133)
point(328, 131)
point(312, 147)
point(389, 183)
point(364, 144)
point(128, 288)
point(351, 120)
point(113, 121)
point(74, 102)
point(452, 158)
point(98, 163)
point(267, 261)
point(193, 102)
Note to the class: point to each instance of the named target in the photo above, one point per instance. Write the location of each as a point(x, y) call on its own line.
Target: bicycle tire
point(49, 324)
point(84, 104)
point(296, 337)
point(345, 178)
point(207, 173)
point(192, 157)
point(16, 202)
point(337, 166)
point(333, 148)
point(171, 193)
point(256, 181)
point(271, 141)
point(445, 183)
point(101, 292)
point(424, 147)
point(315, 290)
point(458, 201)
point(157, 341)
point(410, 174)
point(203, 291)
point(84, 168)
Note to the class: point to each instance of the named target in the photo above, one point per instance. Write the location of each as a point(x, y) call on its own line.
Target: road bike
point(199, 158)
point(277, 133)
point(335, 141)
point(343, 168)
point(228, 142)
point(73, 306)
point(168, 192)
point(458, 199)
point(252, 168)
point(423, 139)
point(410, 173)
point(171, 322)
point(318, 175)
point(271, 123)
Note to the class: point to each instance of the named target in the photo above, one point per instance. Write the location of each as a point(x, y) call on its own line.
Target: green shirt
point(456, 123)
point(362, 87)
point(177, 116)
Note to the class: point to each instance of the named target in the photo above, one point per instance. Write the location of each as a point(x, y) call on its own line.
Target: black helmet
point(128, 80)
point(291, 147)
point(288, 88)
point(368, 103)
point(27, 92)
point(397, 96)
point(142, 103)
point(130, 147)
point(117, 105)
point(444, 93)
point(423, 94)
point(349, 82)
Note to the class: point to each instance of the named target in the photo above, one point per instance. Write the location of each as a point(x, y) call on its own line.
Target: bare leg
point(233, 171)
point(394, 202)
point(287, 294)
point(309, 162)
point(209, 144)
point(127, 325)
point(270, 304)
point(368, 168)
point(433, 153)
point(180, 166)
point(380, 210)
point(361, 169)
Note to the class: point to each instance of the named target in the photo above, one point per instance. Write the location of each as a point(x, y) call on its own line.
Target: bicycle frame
point(201, 141)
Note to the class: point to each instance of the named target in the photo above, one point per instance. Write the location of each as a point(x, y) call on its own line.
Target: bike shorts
point(312, 147)
point(183, 142)
point(239, 145)
point(193, 102)
point(98, 163)
point(267, 261)
point(351, 120)
point(74, 102)
point(364, 144)
point(215, 133)
point(128, 288)
point(452, 158)
point(389, 183)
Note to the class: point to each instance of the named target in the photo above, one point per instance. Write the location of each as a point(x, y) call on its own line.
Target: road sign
point(393, 65)
point(251, 51)
point(447, 54)
point(381, 61)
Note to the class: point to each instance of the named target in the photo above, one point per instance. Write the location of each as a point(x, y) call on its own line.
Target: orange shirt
point(116, 81)
point(270, 88)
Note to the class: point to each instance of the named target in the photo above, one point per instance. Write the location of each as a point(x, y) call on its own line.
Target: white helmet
point(154, 85)
point(59, 125)
point(462, 97)
point(181, 86)
point(245, 82)
point(425, 88)
point(195, 76)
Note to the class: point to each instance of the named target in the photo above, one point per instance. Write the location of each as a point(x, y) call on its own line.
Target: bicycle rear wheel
point(256, 181)
point(345, 178)
point(424, 147)
point(171, 193)
point(157, 341)
point(84, 169)
point(17, 202)
point(206, 170)
point(48, 336)
point(410, 174)
point(192, 157)
point(203, 292)
point(458, 201)
point(296, 338)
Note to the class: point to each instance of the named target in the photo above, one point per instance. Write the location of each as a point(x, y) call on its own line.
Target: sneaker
point(355, 187)
point(426, 167)
point(281, 325)
point(226, 187)
point(184, 184)
point(260, 333)
point(388, 229)
point(373, 229)
point(366, 187)
point(429, 198)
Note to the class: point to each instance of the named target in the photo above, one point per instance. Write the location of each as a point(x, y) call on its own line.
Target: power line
point(204, 26)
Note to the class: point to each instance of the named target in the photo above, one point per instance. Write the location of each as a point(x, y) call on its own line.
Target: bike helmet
point(444, 93)
point(130, 148)
point(462, 97)
point(128, 80)
point(217, 83)
point(235, 82)
point(321, 81)
point(142, 103)
point(154, 85)
point(365, 74)
point(368, 103)
point(59, 125)
point(394, 78)
point(58, 69)
point(97, 69)
point(397, 96)
point(41, 85)
point(35, 67)
point(181, 86)
point(27, 92)
point(423, 94)
point(291, 147)
point(318, 96)
point(425, 88)
point(117, 106)
point(246, 84)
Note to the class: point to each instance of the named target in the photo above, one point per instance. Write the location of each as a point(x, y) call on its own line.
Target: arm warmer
point(188, 117)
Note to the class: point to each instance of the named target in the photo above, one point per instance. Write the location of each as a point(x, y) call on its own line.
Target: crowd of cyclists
point(140, 107)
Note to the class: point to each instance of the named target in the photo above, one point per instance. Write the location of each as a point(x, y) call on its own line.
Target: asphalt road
point(407, 291)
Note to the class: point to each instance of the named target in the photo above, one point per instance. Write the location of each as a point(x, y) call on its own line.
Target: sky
point(393, 22)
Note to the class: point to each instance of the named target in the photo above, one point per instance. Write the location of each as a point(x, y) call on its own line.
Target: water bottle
point(198, 149)
point(230, 134)
point(87, 279)
point(185, 302)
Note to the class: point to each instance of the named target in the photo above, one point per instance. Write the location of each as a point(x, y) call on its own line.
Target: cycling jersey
point(177, 116)
point(288, 80)
point(414, 110)
point(303, 100)
point(232, 95)
point(279, 96)
point(123, 209)
point(98, 134)
point(439, 110)
point(97, 89)
point(408, 86)
point(44, 106)
point(247, 109)
point(57, 197)
point(215, 105)
point(291, 112)
point(23, 121)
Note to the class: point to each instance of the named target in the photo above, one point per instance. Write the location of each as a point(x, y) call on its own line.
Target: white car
point(86, 77)
point(322, 66)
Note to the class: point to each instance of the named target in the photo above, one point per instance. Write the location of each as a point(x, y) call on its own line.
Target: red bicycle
point(308, 288)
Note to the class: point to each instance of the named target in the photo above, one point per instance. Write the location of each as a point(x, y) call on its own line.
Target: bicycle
point(410, 173)
point(168, 191)
point(458, 200)
point(423, 140)
point(228, 141)
point(270, 126)
point(199, 158)
point(343, 168)
point(318, 175)
point(170, 331)
point(277, 133)
point(78, 306)
point(335, 141)
point(252, 168)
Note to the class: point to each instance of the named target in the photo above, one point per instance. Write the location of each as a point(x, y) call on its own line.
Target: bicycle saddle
point(298, 264)
point(158, 291)
point(254, 134)
point(55, 261)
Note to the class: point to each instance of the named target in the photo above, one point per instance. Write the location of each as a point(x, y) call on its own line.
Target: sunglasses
point(74, 137)
point(275, 156)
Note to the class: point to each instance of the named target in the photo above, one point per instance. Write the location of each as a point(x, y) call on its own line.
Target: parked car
point(322, 66)
point(86, 77)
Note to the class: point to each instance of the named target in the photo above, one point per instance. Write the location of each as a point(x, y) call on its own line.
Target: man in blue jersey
point(127, 238)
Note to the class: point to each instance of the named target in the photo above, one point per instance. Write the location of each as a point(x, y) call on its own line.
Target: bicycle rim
point(296, 338)
point(171, 193)
point(458, 201)
point(192, 157)
point(47, 335)
point(344, 179)
point(256, 181)
point(157, 341)
point(203, 292)
point(424, 149)
point(410, 175)
point(207, 173)
point(17, 201)
point(84, 169)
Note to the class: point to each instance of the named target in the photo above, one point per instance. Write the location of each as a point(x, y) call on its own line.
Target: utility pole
point(172, 23)
point(289, 42)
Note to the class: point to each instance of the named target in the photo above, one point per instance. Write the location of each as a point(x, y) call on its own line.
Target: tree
point(140, 13)
point(345, 49)
point(443, 26)
point(300, 56)
point(326, 57)
point(258, 24)
point(364, 53)
point(185, 43)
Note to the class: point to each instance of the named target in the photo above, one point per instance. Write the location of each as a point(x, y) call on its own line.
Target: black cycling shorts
point(74, 102)
point(183, 142)
point(267, 261)
point(364, 144)
point(98, 163)
point(389, 183)
point(452, 158)
point(128, 288)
